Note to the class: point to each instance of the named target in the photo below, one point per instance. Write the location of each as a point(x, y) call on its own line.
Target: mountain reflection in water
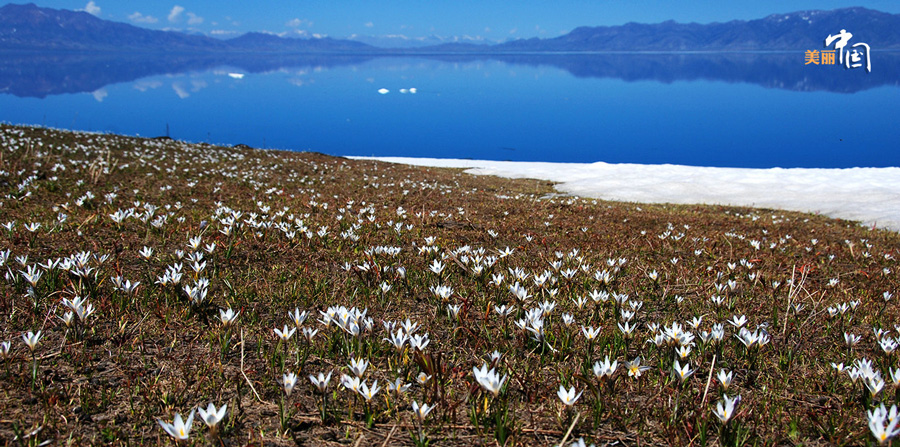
point(40, 75)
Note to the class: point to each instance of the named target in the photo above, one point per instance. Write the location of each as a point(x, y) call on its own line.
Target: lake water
point(740, 110)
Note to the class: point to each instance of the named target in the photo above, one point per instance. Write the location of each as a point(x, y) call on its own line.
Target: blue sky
point(491, 19)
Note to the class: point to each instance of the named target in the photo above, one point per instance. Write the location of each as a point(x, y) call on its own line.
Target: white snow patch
point(869, 195)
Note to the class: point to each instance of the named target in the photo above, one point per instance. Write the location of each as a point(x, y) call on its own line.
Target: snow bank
point(870, 195)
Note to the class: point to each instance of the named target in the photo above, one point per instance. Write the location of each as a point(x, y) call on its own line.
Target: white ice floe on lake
point(385, 91)
point(869, 195)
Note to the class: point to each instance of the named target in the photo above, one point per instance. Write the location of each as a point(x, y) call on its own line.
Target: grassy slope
point(150, 353)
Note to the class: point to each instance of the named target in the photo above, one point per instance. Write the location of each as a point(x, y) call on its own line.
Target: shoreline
point(868, 195)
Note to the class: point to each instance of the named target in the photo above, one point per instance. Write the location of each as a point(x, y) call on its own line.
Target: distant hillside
point(31, 27)
point(28, 27)
point(793, 31)
point(273, 43)
point(398, 41)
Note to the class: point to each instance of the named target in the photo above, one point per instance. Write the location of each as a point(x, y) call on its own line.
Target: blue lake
point(742, 110)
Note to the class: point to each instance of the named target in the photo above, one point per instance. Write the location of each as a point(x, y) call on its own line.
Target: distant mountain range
point(29, 27)
point(793, 31)
point(399, 41)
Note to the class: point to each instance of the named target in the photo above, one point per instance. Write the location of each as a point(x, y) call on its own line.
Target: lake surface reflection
point(731, 109)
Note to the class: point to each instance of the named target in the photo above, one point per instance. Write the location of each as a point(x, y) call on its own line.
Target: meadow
point(156, 292)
